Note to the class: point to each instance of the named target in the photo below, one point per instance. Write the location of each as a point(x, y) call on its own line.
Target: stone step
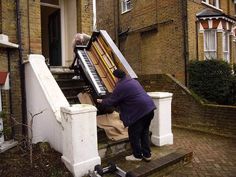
point(158, 167)
point(108, 148)
point(163, 164)
point(65, 82)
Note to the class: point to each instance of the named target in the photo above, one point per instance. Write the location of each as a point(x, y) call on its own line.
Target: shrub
point(212, 80)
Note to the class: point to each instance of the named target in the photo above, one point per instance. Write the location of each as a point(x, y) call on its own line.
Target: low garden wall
point(188, 111)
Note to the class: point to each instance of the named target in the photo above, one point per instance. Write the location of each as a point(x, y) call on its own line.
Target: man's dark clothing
point(136, 112)
point(132, 100)
point(139, 136)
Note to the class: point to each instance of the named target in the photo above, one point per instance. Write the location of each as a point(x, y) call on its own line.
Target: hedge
point(213, 81)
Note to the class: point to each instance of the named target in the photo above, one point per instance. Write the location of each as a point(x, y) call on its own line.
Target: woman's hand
point(99, 100)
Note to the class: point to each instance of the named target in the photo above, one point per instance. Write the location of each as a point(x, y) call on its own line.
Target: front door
point(54, 28)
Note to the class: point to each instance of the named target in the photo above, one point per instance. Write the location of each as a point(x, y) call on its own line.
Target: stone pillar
point(80, 145)
point(1, 131)
point(161, 123)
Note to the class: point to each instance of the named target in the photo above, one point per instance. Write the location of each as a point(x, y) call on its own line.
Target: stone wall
point(187, 109)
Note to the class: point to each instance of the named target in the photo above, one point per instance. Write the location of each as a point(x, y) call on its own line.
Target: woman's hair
point(80, 39)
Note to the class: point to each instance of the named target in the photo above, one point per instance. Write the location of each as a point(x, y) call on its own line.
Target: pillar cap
point(79, 109)
point(160, 94)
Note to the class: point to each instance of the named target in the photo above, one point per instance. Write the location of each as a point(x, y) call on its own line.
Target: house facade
point(164, 36)
point(155, 37)
point(44, 27)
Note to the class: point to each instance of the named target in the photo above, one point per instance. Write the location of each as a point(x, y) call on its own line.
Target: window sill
point(126, 11)
point(214, 7)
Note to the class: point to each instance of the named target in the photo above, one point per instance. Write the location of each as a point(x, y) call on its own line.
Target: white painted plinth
point(1, 128)
point(80, 146)
point(161, 123)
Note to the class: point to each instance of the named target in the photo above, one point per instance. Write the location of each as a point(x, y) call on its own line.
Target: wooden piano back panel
point(115, 54)
point(101, 68)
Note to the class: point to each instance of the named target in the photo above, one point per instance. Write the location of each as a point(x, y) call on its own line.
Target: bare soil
point(46, 162)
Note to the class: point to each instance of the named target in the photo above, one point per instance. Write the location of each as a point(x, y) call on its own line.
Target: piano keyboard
point(90, 72)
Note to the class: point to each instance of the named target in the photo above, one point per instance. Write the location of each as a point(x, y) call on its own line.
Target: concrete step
point(163, 164)
point(158, 167)
point(108, 148)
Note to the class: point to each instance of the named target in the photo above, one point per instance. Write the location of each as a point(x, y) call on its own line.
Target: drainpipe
point(117, 27)
point(28, 14)
point(22, 68)
point(196, 31)
point(185, 37)
point(10, 94)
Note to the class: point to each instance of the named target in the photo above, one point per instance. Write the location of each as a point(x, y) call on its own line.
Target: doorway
point(58, 27)
point(51, 32)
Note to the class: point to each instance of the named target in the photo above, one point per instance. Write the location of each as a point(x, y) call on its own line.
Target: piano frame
point(104, 57)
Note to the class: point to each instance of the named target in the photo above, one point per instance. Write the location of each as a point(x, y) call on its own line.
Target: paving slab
point(213, 156)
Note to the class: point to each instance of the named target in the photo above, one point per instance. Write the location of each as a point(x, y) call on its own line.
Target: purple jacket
point(132, 100)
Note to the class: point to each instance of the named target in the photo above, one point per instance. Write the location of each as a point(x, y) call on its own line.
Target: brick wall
point(85, 16)
point(161, 50)
point(106, 16)
point(154, 51)
point(188, 111)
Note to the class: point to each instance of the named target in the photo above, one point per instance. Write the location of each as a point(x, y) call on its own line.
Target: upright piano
point(98, 59)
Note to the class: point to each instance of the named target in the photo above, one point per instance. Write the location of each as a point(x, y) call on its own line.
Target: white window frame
point(226, 46)
point(125, 6)
point(210, 53)
point(207, 2)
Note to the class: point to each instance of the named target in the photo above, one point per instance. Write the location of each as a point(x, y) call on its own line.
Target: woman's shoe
point(132, 158)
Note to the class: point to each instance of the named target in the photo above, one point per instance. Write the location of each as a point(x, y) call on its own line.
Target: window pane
point(210, 44)
point(126, 5)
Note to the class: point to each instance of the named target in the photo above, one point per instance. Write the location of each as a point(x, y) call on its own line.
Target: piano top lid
point(115, 50)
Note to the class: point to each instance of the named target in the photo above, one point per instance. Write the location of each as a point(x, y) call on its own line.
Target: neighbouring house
point(163, 36)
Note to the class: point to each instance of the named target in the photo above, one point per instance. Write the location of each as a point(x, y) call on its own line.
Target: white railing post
point(80, 146)
point(161, 123)
point(1, 132)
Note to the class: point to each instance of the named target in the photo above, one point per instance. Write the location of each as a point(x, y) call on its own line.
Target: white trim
point(50, 5)
point(217, 17)
point(125, 3)
point(227, 52)
point(212, 6)
point(94, 16)
point(220, 26)
point(210, 23)
point(4, 42)
point(68, 29)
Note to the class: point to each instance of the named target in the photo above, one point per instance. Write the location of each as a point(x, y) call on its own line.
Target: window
point(226, 46)
point(125, 5)
point(215, 3)
point(210, 44)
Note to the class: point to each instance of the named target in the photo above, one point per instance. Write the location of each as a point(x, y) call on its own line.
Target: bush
point(212, 80)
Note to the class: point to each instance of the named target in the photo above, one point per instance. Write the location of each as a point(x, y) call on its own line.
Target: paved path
point(214, 156)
